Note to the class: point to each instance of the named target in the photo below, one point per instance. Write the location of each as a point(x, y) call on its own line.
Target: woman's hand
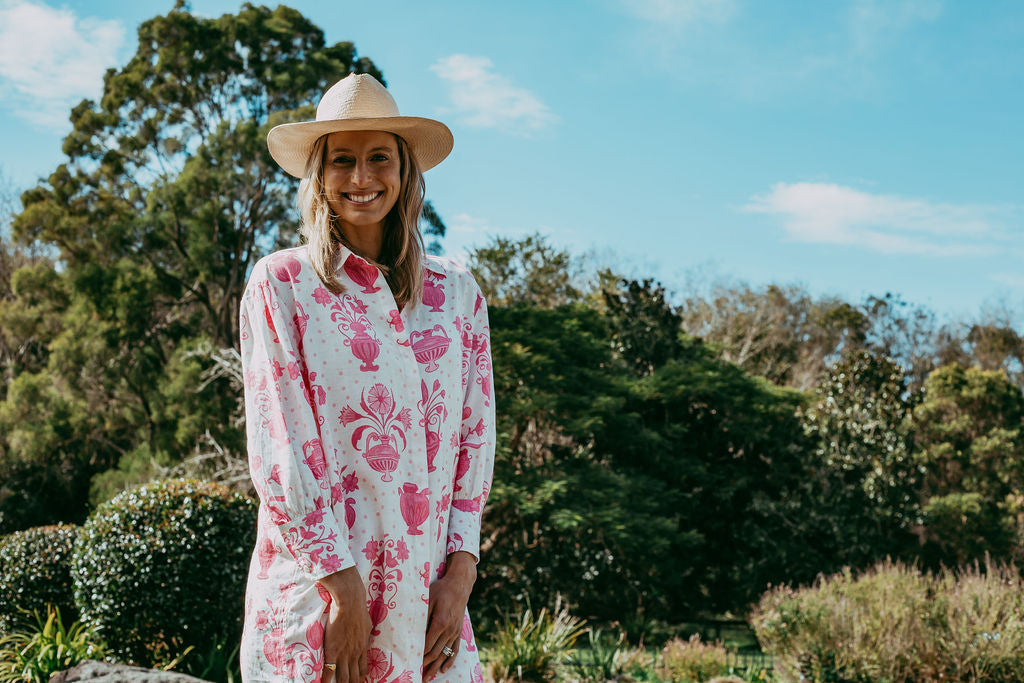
point(347, 635)
point(446, 612)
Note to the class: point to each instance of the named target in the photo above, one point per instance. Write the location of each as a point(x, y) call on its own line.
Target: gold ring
point(332, 667)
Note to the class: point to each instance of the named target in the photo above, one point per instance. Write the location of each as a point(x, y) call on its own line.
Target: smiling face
point(362, 180)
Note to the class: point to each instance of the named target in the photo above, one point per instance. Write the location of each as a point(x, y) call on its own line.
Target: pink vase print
point(315, 460)
point(362, 273)
point(433, 414)
point(285, 267)
point(433, 292)
point(382, 430)
point(429, 346)
point(364, 347)
point(415, 506)
point(385, 555)
point(267, 552)
point(349, 313)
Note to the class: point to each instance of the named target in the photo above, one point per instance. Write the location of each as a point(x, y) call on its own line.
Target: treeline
point(656, 459)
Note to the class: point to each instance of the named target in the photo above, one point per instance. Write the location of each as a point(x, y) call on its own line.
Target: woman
point(369, 414)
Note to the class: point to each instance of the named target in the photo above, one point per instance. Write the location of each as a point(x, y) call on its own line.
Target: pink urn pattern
point(383, 430)
point(433, 292)
point(362, 273)
point(429, 346)
point(349, 313)
point(415, 506)
point(434, 413)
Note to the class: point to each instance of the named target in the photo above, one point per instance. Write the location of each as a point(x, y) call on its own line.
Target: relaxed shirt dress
point(370, 434)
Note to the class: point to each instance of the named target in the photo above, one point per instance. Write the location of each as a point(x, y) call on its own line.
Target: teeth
point(363, 198)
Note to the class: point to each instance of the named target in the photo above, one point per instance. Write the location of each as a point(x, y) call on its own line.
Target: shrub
point(691, 660)
point(163, 566)
point(33, 653)
point(895, 623)
point(531, 648)
point(35, 571)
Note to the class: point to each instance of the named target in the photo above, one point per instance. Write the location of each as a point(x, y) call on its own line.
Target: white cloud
point(485, 99)
point(465, 224)
point(833, 214)
point(1009, 279)
point(679, 13)
point(50, 58)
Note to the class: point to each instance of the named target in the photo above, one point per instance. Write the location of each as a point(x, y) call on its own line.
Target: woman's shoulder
point(452, 269)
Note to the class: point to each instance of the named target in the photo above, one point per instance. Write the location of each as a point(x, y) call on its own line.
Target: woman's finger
point(449, 661)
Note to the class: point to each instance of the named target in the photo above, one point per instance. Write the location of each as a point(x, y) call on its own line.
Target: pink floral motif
point(395, 320)
point(381, 665)
point(349, 313)
point(478, 674)
point(384, 429)
point(433, 412)
point(385, 555)
point(441, 508)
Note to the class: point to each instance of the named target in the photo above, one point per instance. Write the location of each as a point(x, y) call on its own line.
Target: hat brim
point(290, 143)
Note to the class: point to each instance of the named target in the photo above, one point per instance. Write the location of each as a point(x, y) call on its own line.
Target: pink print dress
point(371, 444)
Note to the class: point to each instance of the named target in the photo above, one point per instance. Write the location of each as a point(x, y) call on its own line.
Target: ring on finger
point(332, 667)
point(448, 651)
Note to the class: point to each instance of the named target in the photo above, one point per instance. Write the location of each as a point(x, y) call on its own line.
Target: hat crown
point(357, 96)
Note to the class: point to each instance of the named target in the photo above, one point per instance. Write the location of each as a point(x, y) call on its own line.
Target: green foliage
point(970, 440)
point(163, 566)
point(858, 501)
point(35, 571)
point(527, 271)
point(532, 647)
point(166, 198)
point(600, 661)
point(216, 662)
point(34, 653)
point(683, 661)
point(894, 623)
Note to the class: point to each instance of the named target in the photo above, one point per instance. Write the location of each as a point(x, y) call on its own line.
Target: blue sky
point(853, 146)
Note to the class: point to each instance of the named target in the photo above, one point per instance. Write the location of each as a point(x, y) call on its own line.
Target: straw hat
point(358, 102)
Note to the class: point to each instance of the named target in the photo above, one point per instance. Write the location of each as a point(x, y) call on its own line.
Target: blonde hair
point(401, 253)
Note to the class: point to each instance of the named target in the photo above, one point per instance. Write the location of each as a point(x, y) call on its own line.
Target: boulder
point(102, 672)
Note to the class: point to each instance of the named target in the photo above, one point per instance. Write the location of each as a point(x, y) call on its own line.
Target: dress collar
point(342, 253)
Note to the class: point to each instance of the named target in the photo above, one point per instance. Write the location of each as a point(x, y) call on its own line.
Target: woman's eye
point(380, 157)
point(343, 160)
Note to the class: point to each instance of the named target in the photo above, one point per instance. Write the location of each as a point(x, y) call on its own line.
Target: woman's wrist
point(340, 582)
point(461, 564)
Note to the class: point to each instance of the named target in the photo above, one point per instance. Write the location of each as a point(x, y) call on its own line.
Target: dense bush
point(683, 661)
point(35, 571)
point(163, 566)
point(895, 623)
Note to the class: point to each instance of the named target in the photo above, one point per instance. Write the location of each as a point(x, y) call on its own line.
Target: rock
point(102, 672)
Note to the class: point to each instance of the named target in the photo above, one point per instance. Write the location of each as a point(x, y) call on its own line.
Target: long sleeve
point(286, 455)
point(476, 448)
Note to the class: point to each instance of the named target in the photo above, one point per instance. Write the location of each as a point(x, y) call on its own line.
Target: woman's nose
point(360, 173)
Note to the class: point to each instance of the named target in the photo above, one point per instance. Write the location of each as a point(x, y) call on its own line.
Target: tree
point(526, 271)
point(167, 197)
point(858, 500)
point(969, 437)
point(780, 333)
